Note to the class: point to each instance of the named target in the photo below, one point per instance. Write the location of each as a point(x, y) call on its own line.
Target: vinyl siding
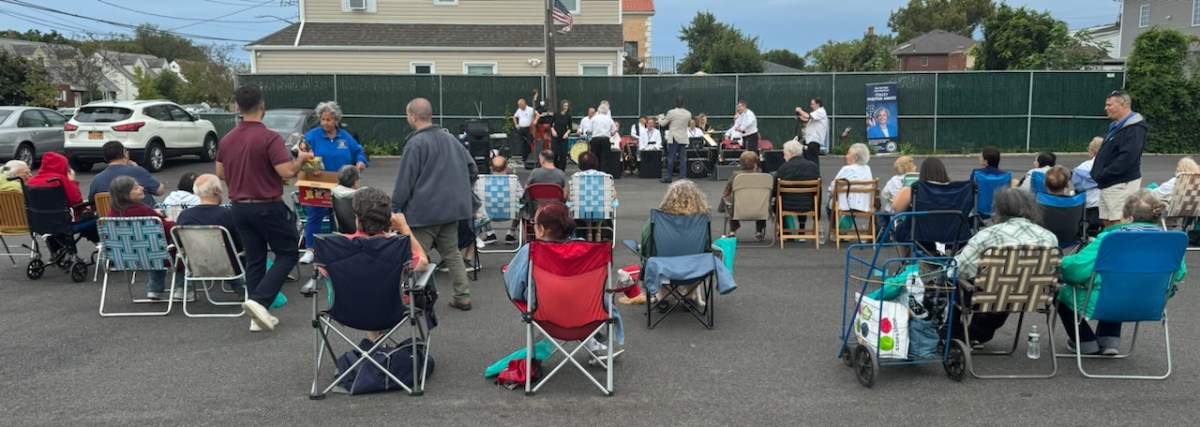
point(1179, 11)
point(449, 63)
point(465, 12)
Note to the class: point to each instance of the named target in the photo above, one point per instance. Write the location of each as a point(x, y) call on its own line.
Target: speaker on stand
point(699, 163)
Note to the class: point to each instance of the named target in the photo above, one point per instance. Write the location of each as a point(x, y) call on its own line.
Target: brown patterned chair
point(1016, 279)
point(1184, 203)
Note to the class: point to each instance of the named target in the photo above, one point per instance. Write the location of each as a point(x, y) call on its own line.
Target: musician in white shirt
point(747, 126)
point(603, 129)
point(585, 124)
point(651, 137)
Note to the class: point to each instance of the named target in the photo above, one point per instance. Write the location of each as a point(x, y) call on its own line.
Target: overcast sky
point(799, 25)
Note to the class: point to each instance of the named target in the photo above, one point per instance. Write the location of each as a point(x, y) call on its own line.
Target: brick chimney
point(871, 30)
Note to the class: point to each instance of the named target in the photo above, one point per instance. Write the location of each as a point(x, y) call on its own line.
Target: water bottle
point(1034, 344)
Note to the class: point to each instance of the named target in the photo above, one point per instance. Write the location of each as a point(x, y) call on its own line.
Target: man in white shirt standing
point(747, 126)
point(817, 130)
point(523, 118)
point(585, 124)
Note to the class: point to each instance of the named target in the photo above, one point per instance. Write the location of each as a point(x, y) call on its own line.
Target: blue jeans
point(315, 218)
point(1106, 332)
point(157, 282)
point(676, 152)
point(263, 227)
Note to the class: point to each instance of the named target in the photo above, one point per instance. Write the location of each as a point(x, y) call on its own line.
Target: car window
point(157, 112)
point(102, 114)
point(4, 115)
point(277, 120)
point(32, 119)
point(178, 114)
point(54, 119)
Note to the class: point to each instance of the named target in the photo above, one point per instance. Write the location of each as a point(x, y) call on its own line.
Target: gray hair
point(209, 188)
point(1010, 203)
point(793, 147)
point(348, 176)
point(330, 107)
point(861, 153)
point(1144, 206)
point(1122, 97)
point(13, 166)
point(603, 108)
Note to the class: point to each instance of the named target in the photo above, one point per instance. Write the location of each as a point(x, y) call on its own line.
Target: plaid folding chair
point(844, 189)
point(133, 244)
point(593, 205)
point(501, 202)
point(1013, 279)
point(676, 241)
point(209, 256)
point(751, 194)
point(568, 296)
point(986, 185)
point(1184, 202)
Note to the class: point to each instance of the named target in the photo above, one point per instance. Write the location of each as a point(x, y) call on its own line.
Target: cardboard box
point(316, 189)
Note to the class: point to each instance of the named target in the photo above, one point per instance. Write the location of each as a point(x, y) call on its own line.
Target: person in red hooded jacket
point(55, 172)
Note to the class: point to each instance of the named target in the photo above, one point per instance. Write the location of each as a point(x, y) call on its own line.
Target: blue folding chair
point(948, 206)
point(986, 185)
point(1064, 216)
point(593, 205)
point(680, 243)
point(1137, 268)
point(133, 244)
point(1037, 182)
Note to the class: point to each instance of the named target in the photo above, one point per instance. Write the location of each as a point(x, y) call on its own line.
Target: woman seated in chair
point(54, 167)
point(683, 198)
point(906, 170)
point(932, 170)
point(1058, 181)
point(127, 201)
point(748, 162)
point(1163, 191)
point(551, 223)
point(1142, 212)
point(856, 169)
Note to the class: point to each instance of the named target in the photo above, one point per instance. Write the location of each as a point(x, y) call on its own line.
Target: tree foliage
point(24, 82)
point(1157, 79)
point(52, 37)
point(784, 57)
point(961, 17)
point(1021, 39)
point(871, 53)
point(145, 84)
point(169, 85)
point(714, 47)
point(209, 81)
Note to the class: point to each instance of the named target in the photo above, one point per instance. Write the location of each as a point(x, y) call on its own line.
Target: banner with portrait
point(882, 126)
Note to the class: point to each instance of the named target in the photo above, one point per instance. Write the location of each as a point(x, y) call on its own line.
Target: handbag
point(882, 326)
point(367, 378)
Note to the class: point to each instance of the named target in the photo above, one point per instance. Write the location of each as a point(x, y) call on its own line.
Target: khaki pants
point(445, 238)
point(1112, 199)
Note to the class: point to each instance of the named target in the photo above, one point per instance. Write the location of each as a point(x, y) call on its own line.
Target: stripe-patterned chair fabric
point(134, 243)
point(501, 196)
point(1185, 196)
point(592, 196)
point(1016, 279)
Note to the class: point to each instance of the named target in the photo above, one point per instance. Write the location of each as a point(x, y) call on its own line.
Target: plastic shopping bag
point(883, 326)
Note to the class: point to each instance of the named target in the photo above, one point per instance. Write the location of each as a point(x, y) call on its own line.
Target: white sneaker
point(595, 346)
point(259, 315)
point(179, 295)
point(307, 258)
point(255, 328)
point(479, 243)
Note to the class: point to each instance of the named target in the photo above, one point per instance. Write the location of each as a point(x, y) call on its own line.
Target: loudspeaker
point(697, 168)
point(531, 162)
point(612, 164)
point(730, 156)
point(651, 165)
point(772, 160)
point(724, 171)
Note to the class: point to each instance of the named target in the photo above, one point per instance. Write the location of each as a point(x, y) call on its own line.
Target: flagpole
point(550, 72)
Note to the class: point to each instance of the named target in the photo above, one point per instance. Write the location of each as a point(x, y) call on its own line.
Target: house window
point(445, 2)
point(421, 67)
point(358, 6)
point(1195, 13)
point(1144, 16)
point(479, 68)
point(62, 95)
point(595, 69)
point(572, 5)
point(632, 51)
point(924, 61)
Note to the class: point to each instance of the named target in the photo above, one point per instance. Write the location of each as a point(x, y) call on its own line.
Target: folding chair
point(846, 189)
point(678, 242)
point(172, 211)
point(593, 205)
point(208, 255)
point(50, 217)
point(1184, 202)
point(133, 244)
point(751, 201)
point(1037, 182)
point(501, 202)
point(535, 195)
point(951, 204)
point(1014, 279)
point(373, 288)
point(568, 299)
point(986, 185)
point(1064, 216)
point(1137, 268)
point(796, 190)
point(102, 203)
point(12, 221)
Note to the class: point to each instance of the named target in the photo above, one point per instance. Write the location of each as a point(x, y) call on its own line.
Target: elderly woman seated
point(1016, 215)
point(1058, 181)
point(748, 162)
point(1142, 212)
point(856, 169)
point(127, 196)
point(932, 170)
point(1185, 165)
point(906, 171)
point(9, 175)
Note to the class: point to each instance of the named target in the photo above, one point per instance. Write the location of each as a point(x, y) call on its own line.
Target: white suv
point(150, 130)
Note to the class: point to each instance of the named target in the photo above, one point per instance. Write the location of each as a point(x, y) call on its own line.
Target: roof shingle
point(936, 42)
point(637, 6)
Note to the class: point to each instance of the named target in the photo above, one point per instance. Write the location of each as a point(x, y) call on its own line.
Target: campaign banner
point(881, 116)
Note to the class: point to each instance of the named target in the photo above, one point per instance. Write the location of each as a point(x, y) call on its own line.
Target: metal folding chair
point(751, 194)
point(951, 205)
point(846, 189)
point(209, 256)
point(501, 197)
point(133, 244)
point(798, 190)
point(593, 205)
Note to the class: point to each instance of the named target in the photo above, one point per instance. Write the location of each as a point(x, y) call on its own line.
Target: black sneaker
point(510, 239)
point(489, 239)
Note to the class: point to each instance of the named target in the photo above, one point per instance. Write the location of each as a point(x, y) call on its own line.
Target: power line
point(179, 17)
point(120, 24)
point(264, 3)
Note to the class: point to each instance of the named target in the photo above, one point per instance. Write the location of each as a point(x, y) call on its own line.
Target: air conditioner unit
point(357, 5)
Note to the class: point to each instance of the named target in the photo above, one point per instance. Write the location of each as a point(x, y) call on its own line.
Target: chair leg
point(319, 350)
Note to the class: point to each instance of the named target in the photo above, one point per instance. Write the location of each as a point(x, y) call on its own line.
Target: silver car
point(28, 132)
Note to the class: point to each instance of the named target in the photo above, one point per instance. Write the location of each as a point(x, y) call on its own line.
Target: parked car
point(27, 132)
point(67, 112)
point(152, 131)
point(195, 108)
point(291, 123)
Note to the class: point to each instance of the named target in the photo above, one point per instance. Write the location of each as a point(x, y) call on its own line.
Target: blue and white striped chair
point(133, 244)
point(501, 197)
point(593, 204)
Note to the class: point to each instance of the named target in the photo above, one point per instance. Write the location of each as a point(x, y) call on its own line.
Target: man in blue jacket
point(1118, 166)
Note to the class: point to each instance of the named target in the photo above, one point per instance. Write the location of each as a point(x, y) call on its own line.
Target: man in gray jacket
point(676, 121)
point(433, 192)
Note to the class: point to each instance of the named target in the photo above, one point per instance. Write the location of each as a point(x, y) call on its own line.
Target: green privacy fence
point(952, 112)
point(222, 122)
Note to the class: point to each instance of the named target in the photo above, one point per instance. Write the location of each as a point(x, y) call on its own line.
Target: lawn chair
point(208, 255)
point(12, 221)
point(1184, 202)
point(986, 185)
point(373, 288)
point(102, 203)
point(950, 205)
point(1017, 279)
point(845, 189)
point(751, 194)
point(1064, 216)
point(50, 217)
point(798, 189)
point(568, 298)
point(1037, 182)
point(535, 195)
point(1137, 268)
point(679, 243)
point(172, 211)
point(501, 200)
point(593, 206)
point(133, 244)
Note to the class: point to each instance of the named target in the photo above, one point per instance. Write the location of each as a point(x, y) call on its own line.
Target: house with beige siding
point(480, 37)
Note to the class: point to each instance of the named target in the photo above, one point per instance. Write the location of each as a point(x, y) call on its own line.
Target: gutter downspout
point(300, 32)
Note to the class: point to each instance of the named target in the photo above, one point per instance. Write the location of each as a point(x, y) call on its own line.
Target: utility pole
point(551, 95)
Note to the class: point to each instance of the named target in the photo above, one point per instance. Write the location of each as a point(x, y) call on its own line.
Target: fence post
point(335, 92)
point(1029, 114)
point(937, 92)
point(441, 102)
point(737, 88)
point(832, 117)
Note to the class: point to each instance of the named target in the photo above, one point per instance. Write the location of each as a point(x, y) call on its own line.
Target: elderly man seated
point(1016, 215)
point(210, 212)
point(13, 170)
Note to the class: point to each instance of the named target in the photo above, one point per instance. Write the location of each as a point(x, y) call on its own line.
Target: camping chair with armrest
point(501, 202)
point(847, 188)
point(751, 194)
point(133, 244)
point(1138, 270)
point(1184, 202)
point(593, 206)
point(950, 205)
point(1064, 216)
point(208, 255)
point(678, 243)
point(50, 217)
point(986, 185)
point(798, 189)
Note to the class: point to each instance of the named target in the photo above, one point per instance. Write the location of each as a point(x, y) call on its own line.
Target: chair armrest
point(633, 246)
point(423, 278)
point(86, 204)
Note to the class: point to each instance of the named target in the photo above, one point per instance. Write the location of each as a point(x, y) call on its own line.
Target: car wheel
point(209, 152)
point(155, 157)
point(80, 165)
point(25, 154)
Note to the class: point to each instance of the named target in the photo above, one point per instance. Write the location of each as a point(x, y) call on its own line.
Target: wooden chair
point(103, 203)
point(848, 189)
point(12, 219)
point(799, 189)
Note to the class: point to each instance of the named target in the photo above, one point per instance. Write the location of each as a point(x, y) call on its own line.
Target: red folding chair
point(536, 195)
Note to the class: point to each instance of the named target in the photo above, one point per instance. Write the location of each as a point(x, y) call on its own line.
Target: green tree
point(922, 16)
point(169, 85)
point(714, 47)
point(24, 82)
point(1021, 39)
point(145, 84)
point(784, 57)
point(209, 81)
point(1157, 79)
point(871, 53)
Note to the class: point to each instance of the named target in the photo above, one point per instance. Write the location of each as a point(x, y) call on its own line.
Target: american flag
point(563, 16)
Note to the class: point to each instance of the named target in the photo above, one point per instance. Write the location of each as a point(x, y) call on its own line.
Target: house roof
point(773, 68)
point(936, 42)
point(440, 35)
point(637, 6)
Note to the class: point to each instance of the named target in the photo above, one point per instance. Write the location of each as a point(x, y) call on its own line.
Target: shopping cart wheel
point(866, 365)
point(956, 360)
point(35, 270)
point(79, 272)
point(847, 355)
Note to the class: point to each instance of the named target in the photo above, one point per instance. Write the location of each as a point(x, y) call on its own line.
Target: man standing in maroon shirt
point(253, 161)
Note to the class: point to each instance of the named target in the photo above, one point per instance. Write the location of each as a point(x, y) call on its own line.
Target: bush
point(381, 148)
point(1158, 81)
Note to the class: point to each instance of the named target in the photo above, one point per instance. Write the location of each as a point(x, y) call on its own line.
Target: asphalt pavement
point(769, 361)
